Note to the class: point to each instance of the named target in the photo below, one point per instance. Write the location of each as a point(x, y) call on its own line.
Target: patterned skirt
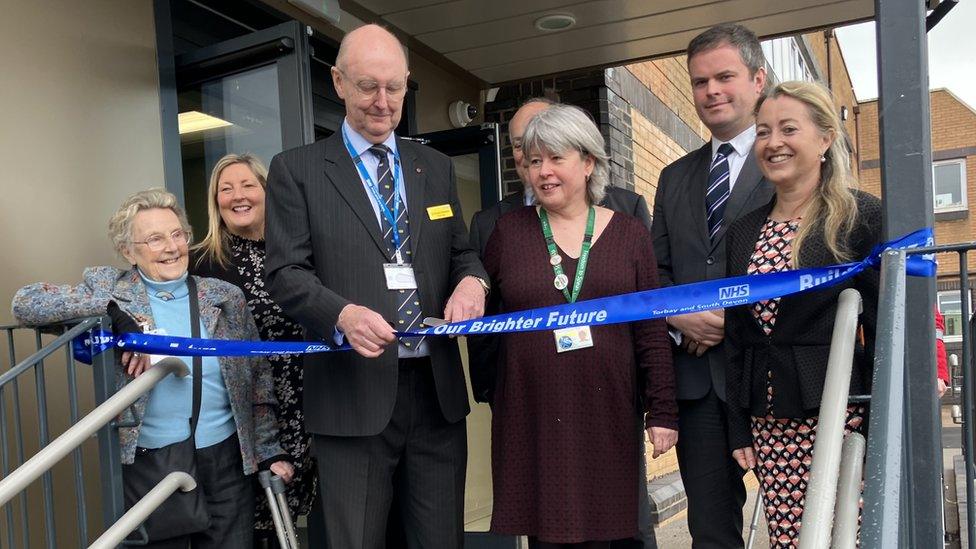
point(784, 452)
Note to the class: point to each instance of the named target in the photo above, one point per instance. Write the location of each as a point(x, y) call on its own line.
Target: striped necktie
point(719, 189)
point(408, 301)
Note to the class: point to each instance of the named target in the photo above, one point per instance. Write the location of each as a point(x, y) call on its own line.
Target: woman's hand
point(283, 469)
point(135, 363)
point(663, 439)
point(745, 457)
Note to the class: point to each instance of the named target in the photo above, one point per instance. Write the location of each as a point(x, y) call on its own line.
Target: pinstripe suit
point(325, 250)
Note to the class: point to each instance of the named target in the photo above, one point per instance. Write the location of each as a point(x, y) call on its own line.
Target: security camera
point(461, 113)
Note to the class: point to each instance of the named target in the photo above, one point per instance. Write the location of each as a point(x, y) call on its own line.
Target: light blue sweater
point(167, 418)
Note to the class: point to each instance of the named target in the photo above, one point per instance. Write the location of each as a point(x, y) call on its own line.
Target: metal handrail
point(849, 492)
point(821, 493)
point(74, 437)
point(135, 516)
point(884, 468)
point(49, 349)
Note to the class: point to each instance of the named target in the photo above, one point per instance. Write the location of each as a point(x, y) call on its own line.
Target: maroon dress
point(565, 426)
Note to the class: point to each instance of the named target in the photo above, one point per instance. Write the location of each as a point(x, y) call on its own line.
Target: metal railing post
point(43, 460)
point(143, 508)
point(849, 492)
point(818, 507)
point(109, 450)
point(44, 436)
point(882, 528)
point(968, 413)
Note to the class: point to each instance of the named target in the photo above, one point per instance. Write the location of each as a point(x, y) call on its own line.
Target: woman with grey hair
point(568, 402)
point(235, 432)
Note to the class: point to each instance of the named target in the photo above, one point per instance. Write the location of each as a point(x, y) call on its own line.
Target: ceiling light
point(194, 121)
point(555, 22)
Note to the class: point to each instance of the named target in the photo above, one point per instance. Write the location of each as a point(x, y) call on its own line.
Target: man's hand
point(699, 331)
point(365, 329)
point(745, 457)
point(942, 387)
point(467, 301)
point(662, 439)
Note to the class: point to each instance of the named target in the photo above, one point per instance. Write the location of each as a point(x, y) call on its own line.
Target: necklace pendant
point(561, 281)
point(555, 259)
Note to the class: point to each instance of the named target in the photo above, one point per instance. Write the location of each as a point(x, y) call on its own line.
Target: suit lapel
point(341, 171)
point(415, 184)
point(745, 184)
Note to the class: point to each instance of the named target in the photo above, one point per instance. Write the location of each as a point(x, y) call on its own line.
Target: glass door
point(250, 94)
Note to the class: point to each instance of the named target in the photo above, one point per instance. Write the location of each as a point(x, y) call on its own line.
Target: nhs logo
point(733, 292)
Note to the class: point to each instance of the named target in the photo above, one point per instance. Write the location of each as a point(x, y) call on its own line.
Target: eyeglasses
point(369, 89)
point(157, 242)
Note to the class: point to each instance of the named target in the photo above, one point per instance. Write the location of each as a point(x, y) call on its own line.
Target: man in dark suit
point(364, 232)
point(483, 351)
point(698, 197)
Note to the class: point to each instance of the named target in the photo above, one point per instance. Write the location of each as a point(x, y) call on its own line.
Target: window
point(949, 185)
point(951, 308)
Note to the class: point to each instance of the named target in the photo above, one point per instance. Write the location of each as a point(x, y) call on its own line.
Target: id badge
point(399, 276)
point(573, 339)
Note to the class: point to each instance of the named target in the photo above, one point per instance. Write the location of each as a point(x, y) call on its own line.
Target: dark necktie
point(719, 190)
point(408, 301)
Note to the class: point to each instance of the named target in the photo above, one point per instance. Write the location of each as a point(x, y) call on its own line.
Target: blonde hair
point(833, 205)
point(120, 224)
point(215, 245)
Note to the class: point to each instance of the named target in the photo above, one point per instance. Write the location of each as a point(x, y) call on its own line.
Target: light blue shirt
point(167, 417)
point(371, 162)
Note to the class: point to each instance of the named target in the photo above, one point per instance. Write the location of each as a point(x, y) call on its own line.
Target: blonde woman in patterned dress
point(233, 250)
point(778, 348)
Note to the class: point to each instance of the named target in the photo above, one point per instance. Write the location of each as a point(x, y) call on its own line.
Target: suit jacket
point(796, 351)
point(483, 351)
point(325, 250)
point(223, 312)
point(685, 253)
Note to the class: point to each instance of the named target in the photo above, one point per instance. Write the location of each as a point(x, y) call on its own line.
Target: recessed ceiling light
point(195, 121)
point(555, 22)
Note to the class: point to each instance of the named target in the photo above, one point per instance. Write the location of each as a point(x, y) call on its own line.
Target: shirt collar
point(167, 290)
point(359, 143)
point(742, 143)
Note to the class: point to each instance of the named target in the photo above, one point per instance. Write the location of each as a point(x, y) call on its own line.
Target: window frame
point(946, 338)
point(963, 191)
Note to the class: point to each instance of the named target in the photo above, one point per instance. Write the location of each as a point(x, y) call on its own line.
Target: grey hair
point(563, 128)
point(120, 224)
point(737, 36)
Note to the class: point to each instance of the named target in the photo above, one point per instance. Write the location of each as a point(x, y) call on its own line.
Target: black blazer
point(797, 349)
point(325, 250)
point(685, 253)
point(483, 351)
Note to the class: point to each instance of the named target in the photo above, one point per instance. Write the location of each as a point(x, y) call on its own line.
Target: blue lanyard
point(391, 217)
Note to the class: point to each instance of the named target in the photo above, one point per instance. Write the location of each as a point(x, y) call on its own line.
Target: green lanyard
point(561, 281)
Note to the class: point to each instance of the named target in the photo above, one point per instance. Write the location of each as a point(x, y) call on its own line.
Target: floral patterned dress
point(784, 446)
point(247, 270)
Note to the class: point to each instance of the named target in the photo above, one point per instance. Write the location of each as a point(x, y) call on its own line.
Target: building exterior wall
point(953, 137)
point(81, 130)
point(820, 43)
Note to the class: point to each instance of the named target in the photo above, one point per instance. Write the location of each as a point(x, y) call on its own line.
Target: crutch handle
point(264, 477)
point(277, 485)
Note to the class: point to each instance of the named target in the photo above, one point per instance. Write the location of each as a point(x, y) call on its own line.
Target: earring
point(823, 158)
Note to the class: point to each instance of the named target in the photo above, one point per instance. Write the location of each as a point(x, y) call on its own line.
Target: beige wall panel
point(81, 129)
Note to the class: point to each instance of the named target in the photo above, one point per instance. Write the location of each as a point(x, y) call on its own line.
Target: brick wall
point(838, 78)
point(953, 136)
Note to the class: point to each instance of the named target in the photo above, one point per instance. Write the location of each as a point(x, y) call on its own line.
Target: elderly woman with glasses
point(236, 431)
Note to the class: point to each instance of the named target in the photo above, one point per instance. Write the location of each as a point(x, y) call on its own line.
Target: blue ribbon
point(645, 305)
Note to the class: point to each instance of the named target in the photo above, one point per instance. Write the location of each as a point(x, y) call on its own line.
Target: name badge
point(573, 339)
point(440, 212)
point(399, 276)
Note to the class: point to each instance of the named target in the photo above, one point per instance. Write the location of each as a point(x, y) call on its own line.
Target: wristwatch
point(484, 284)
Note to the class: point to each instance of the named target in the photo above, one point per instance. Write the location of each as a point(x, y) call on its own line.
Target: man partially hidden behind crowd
point(698, 197)
point(364, 234)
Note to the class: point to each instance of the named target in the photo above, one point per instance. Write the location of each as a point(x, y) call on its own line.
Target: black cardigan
point(796, 351)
